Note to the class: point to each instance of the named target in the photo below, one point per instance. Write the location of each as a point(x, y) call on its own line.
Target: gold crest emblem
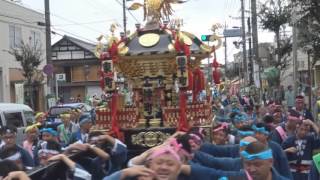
point(149, 40)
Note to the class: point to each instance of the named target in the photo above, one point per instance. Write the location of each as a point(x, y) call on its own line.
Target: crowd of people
point(246, 141)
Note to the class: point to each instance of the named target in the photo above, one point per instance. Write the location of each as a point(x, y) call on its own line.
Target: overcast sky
point(87, 19)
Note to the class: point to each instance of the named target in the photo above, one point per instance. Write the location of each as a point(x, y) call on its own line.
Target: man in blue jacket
point(257, 162)
point(280, 161)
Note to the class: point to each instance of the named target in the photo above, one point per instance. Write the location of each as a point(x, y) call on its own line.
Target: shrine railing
point(198, 114)
point(126, 117)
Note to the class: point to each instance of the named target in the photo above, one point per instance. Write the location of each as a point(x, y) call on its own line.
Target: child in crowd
point(31, 141)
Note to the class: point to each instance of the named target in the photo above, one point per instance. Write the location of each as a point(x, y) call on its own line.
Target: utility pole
point(244, 48)
point(255, 30)
point(225, 52)
point(48, 48)
point(310, 80)
point(294, 54)
point(255, 42)
point(48, 31)
point(250, 65)
point(124, 17)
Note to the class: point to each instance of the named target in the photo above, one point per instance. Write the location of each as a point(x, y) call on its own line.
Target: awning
point(16, 74)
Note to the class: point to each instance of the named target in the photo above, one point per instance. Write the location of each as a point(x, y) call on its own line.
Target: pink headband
point(294, 118)
point(195, 137)
point(300, 99)
point(222, 127)
point(178, 148)
point(164, 150)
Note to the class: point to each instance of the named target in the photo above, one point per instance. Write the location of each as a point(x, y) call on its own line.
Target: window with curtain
point(15, 36)
point(34, 38)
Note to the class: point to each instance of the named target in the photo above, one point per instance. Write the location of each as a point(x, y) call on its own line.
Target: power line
point(76, 23)
point(31, 25)
point(120, 3)
point(90, 22)
point(75, 35)
point(71, 21)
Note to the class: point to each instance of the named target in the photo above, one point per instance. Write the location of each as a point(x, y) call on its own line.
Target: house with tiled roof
point(76, 60)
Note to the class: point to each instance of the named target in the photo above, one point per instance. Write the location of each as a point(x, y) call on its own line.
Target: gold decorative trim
point(149, 139)
point(205, 48)
point(187, 40)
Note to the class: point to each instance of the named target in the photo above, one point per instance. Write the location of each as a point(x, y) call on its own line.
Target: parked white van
point(17, 115)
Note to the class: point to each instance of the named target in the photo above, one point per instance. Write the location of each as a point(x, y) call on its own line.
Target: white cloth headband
point(48, 151)
point(14, 157)
point(94, 138)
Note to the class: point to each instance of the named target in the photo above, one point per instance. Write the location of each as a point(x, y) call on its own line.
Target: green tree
point(274, 15)
point(29, 57)
point(308, 23)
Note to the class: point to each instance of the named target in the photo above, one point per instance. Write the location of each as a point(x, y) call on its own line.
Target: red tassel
point(202, 81)
point(183, 123)
point(113, 50)
point(102, 83)
point(182, 47)
point(216, 76)
point(198, 83)
point(215, 63)
point(186, 50)
point(114, 121)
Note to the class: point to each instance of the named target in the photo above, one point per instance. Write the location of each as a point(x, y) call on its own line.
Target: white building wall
point(13, 14)
point(302, 63)
point(94, 90)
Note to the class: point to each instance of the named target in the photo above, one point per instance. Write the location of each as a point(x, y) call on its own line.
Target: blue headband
point(240, 117)
point(260, 130)
point(245, 133)
point(223, 178)
point(244, 143)
point(50, 131)
point(236, 110)
point(267, 154)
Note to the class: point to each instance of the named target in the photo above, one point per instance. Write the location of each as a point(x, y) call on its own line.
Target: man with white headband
point(50, 151)
point(11, 153)
point(82, 135)
point(8, 135)
point(46, 150)
point(257, 162)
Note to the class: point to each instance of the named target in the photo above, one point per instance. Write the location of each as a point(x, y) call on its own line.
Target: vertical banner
point(19, 91)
